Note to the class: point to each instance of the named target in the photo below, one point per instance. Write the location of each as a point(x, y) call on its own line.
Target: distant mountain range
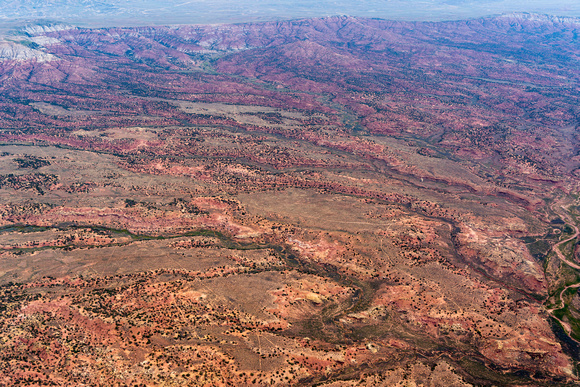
point(154, 12)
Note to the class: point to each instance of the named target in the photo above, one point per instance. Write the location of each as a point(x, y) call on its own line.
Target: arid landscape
point(336, 201)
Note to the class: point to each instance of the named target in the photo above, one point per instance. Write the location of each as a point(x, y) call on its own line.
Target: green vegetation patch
point(30, 162)
point(487, 377)
point(568, 248)
point(539, 249)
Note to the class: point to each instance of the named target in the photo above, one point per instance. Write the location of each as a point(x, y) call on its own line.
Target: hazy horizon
point(153, 12)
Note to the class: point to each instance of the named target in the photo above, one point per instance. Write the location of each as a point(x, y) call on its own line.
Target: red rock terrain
point(336, 201)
